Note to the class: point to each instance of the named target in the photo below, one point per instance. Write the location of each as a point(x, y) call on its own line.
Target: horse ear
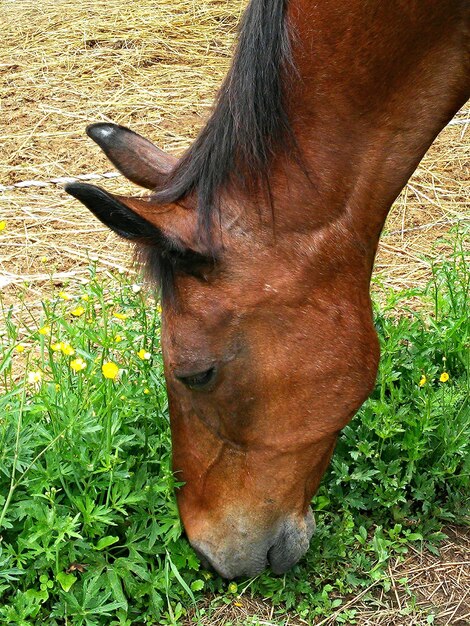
point(169, 228)
point(135, 157)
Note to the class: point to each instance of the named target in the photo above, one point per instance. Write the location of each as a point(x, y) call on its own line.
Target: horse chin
point(291, 542)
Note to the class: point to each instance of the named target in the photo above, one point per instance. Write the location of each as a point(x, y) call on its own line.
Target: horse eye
point(198, 381)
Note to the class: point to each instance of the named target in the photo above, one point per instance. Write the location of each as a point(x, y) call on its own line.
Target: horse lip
point(229, 571)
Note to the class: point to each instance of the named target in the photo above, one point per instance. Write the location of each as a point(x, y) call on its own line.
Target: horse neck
point(376, 83)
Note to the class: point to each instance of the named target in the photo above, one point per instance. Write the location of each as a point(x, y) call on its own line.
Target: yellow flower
point(146, 391)
point(67, 349)
point(78, 311)
point(144, 355)
point(56, 347)
point(64, 295)
point(159, 309)
point(233, 588)
point(85, 297)
point(444, 377)
point(78, 365)
point(44, 259)
point(57, 387)
point(3, 225)
point(110, 370)
point(423, 381)
point(45, 330)
point(121, 316)
point(34, 378)
point(20, 348)
point(117, 338)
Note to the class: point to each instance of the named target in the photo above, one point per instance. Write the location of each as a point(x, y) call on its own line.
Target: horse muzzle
point(242, 556)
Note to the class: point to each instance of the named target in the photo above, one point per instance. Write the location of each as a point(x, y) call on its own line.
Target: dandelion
point(34, 378)
point(444, 377)
point(110, 370)
point(85, 297)
point(20, 348)
point(45, 331)
point(56, 347)
point(57, 387)
point(159, 309)
point(44, 259)
point(146, 391)
point(78, 311)
point(120, 316)
point(78, 365)
point(144, 355)
point(423, 381)
point(3, 225)
point(117, 338)
point(64, 295)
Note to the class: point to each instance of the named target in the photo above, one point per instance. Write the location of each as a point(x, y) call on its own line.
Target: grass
point(89, 528)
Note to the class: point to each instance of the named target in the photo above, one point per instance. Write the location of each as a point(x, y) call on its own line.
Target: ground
point(155, 67)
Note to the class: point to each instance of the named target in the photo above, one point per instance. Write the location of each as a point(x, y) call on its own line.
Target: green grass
point(89, 528)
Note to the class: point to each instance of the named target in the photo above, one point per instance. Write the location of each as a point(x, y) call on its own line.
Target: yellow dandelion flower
point(120, 316)
point(146, 391)
point(78, 365)
point(20, 348)
point(57, 387)
point(34, 378)
point(85, 297)
point(423, 381)
point(444, 377)
point(3, 225)
point(56, 347)
point(44, 259)
point(78, 311)
point(117, 338)
point(110, 370)
point(67, 349)
point(144, 355)
point(159, 309)
point(45, 330)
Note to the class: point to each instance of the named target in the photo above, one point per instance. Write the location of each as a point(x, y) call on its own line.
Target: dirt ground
point(155, 66)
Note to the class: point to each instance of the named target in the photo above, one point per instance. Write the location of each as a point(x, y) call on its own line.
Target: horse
point(262, 239)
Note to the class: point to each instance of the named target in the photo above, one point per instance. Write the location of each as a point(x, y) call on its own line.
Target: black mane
point(249, 121)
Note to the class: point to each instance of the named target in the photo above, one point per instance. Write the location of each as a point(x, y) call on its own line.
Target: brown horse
point(263, 237)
